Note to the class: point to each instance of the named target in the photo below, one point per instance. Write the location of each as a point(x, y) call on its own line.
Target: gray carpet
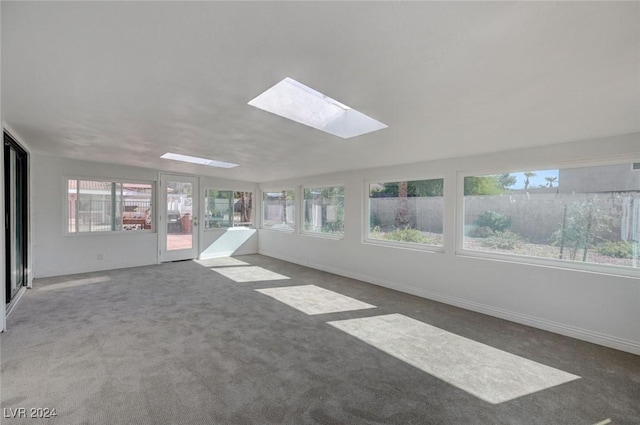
point(179, 343)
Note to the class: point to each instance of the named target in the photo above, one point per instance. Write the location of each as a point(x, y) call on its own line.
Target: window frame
point(398, 244)
point(295, 204)
point(460, 251)
point(301, 216)
point(65, 205)
point(233, 192)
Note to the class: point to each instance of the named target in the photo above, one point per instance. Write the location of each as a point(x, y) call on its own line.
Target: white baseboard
point(89, 268)
point(547, 325)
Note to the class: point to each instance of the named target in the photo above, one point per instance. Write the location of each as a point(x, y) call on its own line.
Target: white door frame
point(178, 254)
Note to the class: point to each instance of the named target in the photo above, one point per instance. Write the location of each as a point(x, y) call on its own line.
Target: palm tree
point(285, 197)
point(550, 181)
point(401, 216)
point(527, 175)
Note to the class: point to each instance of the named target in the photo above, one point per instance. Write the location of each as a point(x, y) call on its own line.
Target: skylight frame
point(295, 101)
point(198, 160)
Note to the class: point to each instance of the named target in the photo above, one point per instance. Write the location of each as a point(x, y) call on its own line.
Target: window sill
point(322, 235)
point(227, 229)
point(110, 233)
point(578, 266)
point(276, 230)
point(405, 245)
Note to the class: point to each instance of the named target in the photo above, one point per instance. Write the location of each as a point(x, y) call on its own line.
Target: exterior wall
point(610, 178)
point(593, 306)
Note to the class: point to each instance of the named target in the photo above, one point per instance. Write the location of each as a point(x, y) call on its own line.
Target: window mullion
point(77, 206)
point(113, 206)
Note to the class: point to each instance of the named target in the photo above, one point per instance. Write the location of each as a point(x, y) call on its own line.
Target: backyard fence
point(423, 213)
point(534, 216)
point(97, 215)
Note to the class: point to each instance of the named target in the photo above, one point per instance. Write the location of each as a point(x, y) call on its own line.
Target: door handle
point(195, 221)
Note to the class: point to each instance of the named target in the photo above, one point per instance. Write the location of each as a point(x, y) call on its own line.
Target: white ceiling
point(125, 82)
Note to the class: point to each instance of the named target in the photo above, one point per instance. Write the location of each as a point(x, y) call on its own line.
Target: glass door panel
point(180, 219)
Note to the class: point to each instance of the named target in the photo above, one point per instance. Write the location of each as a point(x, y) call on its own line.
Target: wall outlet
point(100, 256)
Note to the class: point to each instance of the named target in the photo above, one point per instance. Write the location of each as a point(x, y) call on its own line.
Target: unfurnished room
point(274, 212)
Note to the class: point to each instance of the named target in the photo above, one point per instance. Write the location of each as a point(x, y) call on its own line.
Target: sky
point(536, 180)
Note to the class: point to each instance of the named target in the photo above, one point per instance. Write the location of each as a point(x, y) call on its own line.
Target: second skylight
point(198, 160)
point(295, 101)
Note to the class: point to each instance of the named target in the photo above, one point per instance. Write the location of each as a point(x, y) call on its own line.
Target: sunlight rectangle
point(488, 373)
point(249, 274)
point(73, 283)
point(311, 299)
point(221, 262)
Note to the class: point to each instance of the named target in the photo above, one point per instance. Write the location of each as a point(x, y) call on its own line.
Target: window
point(107, 206)
point(407, 212)
point(227, 208)
point(324, 210)
point(279, 210)
point(588, 215)
point(218, 208)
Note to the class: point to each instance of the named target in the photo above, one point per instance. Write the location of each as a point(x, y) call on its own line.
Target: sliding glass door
point(16, 216)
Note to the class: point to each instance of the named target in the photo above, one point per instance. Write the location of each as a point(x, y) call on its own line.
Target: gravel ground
point(547, 251)
point(529, 250)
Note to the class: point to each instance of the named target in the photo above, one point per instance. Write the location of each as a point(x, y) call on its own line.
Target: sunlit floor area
point(312, 299)
point(254, 340)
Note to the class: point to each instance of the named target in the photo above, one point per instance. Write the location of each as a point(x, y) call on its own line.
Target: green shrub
point(406, 234)
point(481, 232)
point(502, 240)
point(578, 229)
point(620, 249)
point(494, 221)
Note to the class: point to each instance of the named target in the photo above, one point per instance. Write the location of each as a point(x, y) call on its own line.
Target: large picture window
point(324, 210)
point(227, 208)
point(407, 212)
point(107, 206)
point(279, 210)
point(587, 215)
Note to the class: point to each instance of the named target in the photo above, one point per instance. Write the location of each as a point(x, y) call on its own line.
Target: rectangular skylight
point(295, 101)
point(199, 161)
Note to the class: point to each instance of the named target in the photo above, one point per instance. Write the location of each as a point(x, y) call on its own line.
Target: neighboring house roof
point(104, 187)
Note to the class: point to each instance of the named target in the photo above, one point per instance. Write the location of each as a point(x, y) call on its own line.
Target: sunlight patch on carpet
point(74, 283)
point(488, 373)
point(221, 262)
point(311, 299)
point(249, 274)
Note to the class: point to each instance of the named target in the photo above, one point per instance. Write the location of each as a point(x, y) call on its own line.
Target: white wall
point(57, 253)
point(596, 307)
